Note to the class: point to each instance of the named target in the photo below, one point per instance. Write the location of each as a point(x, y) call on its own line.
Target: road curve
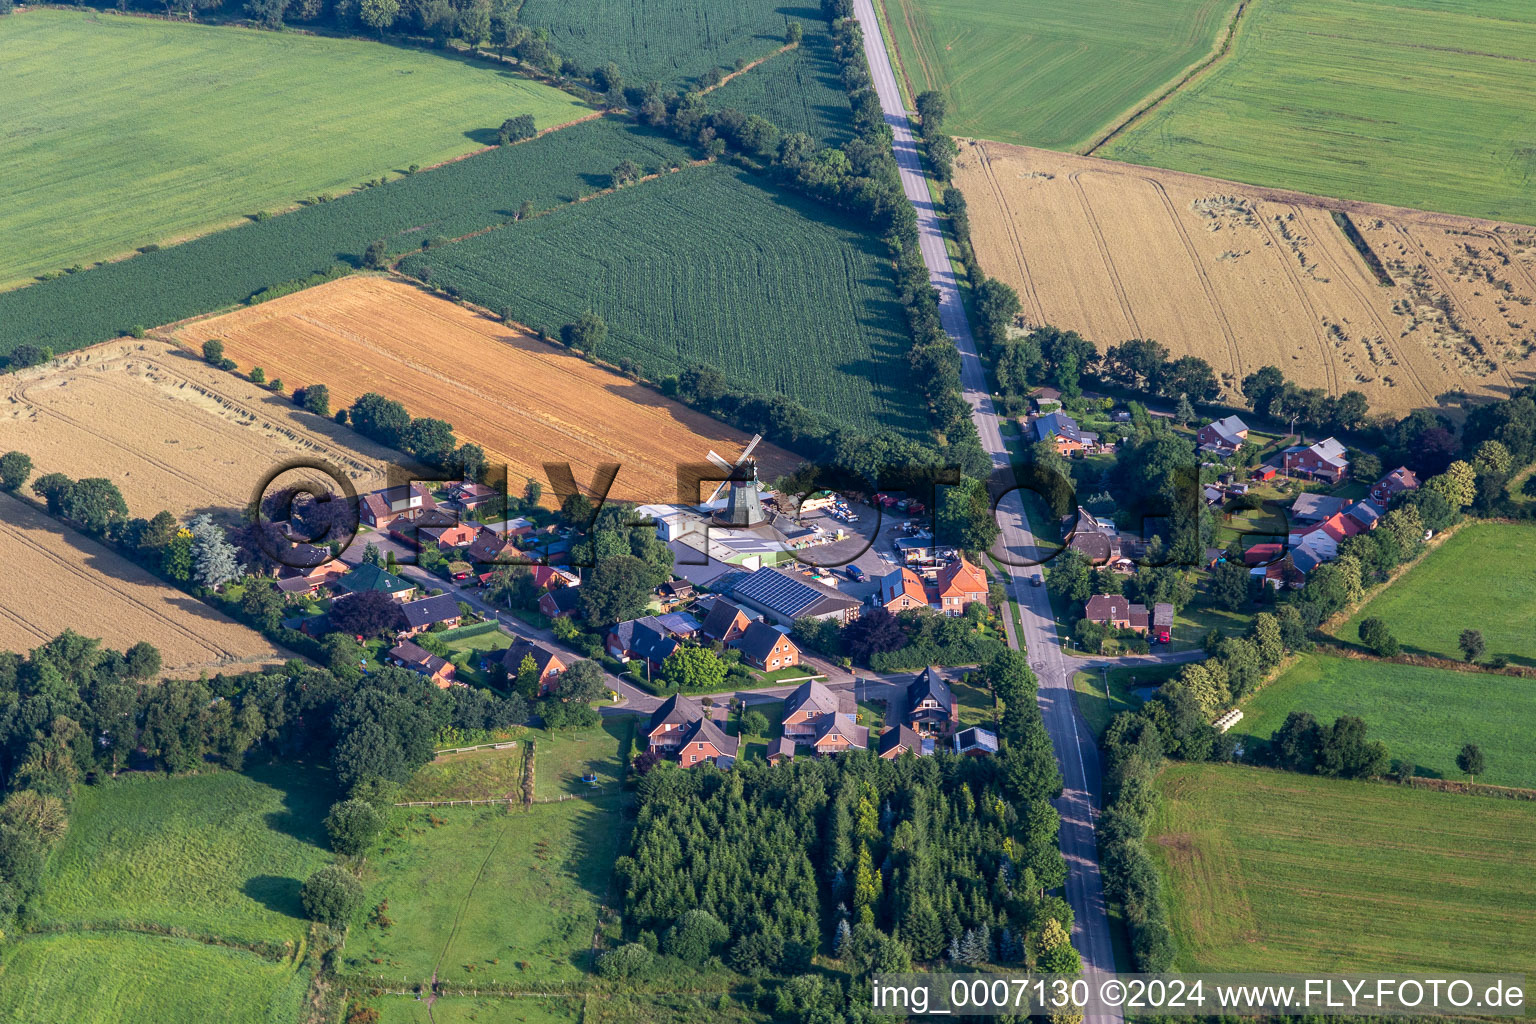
point(1074, 743)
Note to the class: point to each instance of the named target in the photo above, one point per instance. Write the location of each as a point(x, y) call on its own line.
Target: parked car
point(856, 574)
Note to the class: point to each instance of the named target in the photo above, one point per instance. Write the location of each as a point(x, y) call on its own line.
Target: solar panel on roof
point(778, 591)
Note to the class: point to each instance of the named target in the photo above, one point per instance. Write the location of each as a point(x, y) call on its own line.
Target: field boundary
point(1222, 48)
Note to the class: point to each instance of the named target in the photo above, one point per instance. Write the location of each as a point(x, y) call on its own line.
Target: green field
point(800, 91)
point(221, 854)
point(488, 894)
point(468, 1009)
point(1421, 714)
point(1482, 578)
point(475, 775)
point(1420, 103)
point(124, 978)
point(1050, 73)
point(225, 268)
point(666, 41)
point(562, 759)
point(708, 266)
point(1098, 705)
point(1272, 871)
point(127, 131)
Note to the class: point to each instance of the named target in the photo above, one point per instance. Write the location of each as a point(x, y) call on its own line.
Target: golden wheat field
point(1244, 276)
point(57, 579)
point(171, 431)
point(525, 401)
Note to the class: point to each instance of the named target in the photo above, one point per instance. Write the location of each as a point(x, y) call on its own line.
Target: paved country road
point(1074, 742)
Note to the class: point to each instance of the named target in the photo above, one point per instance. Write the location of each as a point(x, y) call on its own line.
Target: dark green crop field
point(222, 269)
point(800, 91)
point(666, 41)
point(708, 266)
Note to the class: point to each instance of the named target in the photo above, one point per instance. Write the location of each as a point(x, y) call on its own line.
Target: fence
point(494, 745)
point(597, 791)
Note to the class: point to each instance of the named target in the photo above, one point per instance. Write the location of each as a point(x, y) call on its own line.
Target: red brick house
point(900, 590)
point(809, 704)
point(899, 740)
point(837, 733)
point(1224, 436)
point(960, 584)
point(409, 655)
point(1322, 461)
point(725, 622)
point(766, 648)
point(381, 508)
point(1117, 612)
point(681, 730)
point(422, 615)
point(490, 546)
point(560, 602)
point(545, 661)
point(1394, 483)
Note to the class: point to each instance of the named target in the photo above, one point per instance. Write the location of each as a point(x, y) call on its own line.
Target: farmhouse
point(784, 597)
point(546, 663)
point(371, 577)
point(1069, 437)
point(764, 647)
point(1116, 612)
point(1324, 460)
point(381, 508)
point(900, 590)
point(1223, 437)
point(1394, 483)
point(422, 615)
point(960, 584)
point(408, 655)
point(929, 708)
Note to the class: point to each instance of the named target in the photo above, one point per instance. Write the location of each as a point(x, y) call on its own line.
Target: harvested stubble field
point(1247, 276)
point(57, 580)
point(1273, 871)
point(169, 430)
point(523, 400)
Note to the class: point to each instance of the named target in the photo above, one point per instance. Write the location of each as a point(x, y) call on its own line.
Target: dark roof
point(720, 618)
point(564, 598)
point(1060, 424)
point(1112, 606)
point(812, 694)
point(900, 736)
point(675, 710)
point(929, 683)
point(702, 729)
point(1312, 508)
point(370, 577)
point(1162, 614)
point(790, 595)
point(845, 726)
point(758, 641)
point(431, 609)
point(654, 636)
point(418, 658)
point(676, 588)
point(782, 747)
point(542, 656)
point(432, 519)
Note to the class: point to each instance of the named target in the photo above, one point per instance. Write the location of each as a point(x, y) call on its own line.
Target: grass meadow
point(126, 978)
point(123, 131)
point(708, 265)
point(221, 854)
point(1483, 578)
point(477, 1010)
point(487, 894)
point(1099, 705)
point(1423, 715)
point(1407, 102)
point(1273, 871)
point(1050, 73)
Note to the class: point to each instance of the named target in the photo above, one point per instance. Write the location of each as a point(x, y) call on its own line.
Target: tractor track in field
point(1233, 352)
point(1109, 262)
point(1314, 320)
point(1013, 233)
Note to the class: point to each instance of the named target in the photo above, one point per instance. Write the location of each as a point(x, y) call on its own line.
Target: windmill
point(743, 508)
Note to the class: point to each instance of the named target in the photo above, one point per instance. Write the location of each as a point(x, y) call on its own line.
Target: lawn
point(709, 265)
point(1421, 714)
point(228, 267)
point(488, 894)
point(130, 131)
point(755, 745)
point(562, 758)
point(1050, 73)
point(1272, 871)
point(219, 854)
point(1408, 102)
point(1483, 578)
point(126, 978)
point(666, 41)
point(1098, 706)
point(474, 775)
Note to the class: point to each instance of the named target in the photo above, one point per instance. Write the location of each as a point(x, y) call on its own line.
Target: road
point(1074, 743)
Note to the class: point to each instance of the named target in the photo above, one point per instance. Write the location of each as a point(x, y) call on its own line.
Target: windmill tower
point(743, 506)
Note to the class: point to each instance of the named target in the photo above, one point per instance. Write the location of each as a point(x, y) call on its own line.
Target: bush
point(331, 896)
point(352, 826)
point(628, 961)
